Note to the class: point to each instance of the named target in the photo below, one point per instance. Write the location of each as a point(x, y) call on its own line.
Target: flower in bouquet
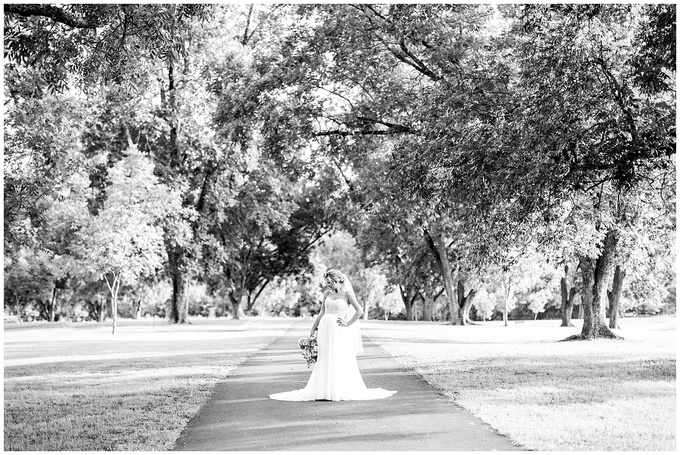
point(310, 349)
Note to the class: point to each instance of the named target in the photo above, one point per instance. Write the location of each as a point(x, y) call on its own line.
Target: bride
point(336, 374)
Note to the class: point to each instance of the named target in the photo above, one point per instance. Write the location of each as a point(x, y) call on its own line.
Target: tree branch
point(441, 291)
point(244, 40)
point(618, 94)
point(52, 12)
point(402, 130)
point(416, 62)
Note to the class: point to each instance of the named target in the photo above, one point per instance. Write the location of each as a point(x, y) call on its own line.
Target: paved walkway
point(240, 415)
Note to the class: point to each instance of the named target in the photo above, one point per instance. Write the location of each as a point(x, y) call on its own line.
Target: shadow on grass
point(567, 372)
point(499, 342)
point(157, 324)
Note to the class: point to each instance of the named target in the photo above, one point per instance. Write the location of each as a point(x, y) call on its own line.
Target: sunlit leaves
point(102, 43)
point(125, 237)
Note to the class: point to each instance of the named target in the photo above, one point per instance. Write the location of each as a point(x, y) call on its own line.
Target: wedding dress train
point(336, 374)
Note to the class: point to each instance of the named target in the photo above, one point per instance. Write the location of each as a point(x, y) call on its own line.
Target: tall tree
point(124, 240)
point(614, 136)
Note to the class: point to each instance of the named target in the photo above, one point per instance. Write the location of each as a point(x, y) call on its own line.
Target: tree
point(465, 301)
point(568, 292)
point(124, 240)
point(624, 137)
point(264, 229)
point(484, 303)
point(238, 241)
point(389, 237)
point(27, 277)
point(647, 227)
point(391, 304)
point(562, 134)
point(614, 296)
point(45, 184)
point(537, 300)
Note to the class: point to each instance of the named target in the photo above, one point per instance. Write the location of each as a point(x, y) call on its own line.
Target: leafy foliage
point(214, 146)
point(95, 42)
point(125, 238)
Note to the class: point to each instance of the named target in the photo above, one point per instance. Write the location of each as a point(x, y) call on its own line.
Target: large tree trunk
point(438, 248)
point(596, 273)
point(568, 296)
point(615, 297)
point(236, 299)
point(179, 308)
point(408, 297)
point(406, 301)
point(465, 301)
point(428, 302)
point(253, 299)
point(467, 305)
point(136, 308)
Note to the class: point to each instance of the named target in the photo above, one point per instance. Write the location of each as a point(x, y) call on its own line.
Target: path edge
point(174, 447)
point(412, 371)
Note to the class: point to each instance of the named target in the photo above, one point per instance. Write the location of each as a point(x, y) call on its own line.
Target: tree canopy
point(472, 151)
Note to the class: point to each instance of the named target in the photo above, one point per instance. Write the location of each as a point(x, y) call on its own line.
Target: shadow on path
point(240, 415)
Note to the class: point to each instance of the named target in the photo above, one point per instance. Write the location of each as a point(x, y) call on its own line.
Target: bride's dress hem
point(284, 396)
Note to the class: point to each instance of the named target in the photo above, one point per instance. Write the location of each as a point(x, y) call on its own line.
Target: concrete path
point(241, 416)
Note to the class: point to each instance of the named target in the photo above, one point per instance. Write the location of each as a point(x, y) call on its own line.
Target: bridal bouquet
point(310, 349)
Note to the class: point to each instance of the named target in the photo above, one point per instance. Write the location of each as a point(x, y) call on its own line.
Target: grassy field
point(589, 395)
point(77, 387)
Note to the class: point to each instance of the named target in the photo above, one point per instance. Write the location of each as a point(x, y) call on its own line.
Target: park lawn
point(77, 387)
point(545, 395)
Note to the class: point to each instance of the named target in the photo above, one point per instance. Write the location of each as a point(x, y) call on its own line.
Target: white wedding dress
point(336, 374)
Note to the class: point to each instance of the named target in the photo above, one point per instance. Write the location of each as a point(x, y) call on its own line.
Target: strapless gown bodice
point(337, 307)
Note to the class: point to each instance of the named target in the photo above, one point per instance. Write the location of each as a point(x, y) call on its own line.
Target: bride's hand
point(342, 322)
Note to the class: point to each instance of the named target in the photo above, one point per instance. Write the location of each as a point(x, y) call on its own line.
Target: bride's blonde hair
point(335, 279)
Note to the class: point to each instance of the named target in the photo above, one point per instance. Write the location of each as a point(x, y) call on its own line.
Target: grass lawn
point(588, 395)
point(77, 387)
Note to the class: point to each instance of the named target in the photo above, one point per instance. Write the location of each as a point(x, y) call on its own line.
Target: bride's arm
point(321, 312)
point(352, 299)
